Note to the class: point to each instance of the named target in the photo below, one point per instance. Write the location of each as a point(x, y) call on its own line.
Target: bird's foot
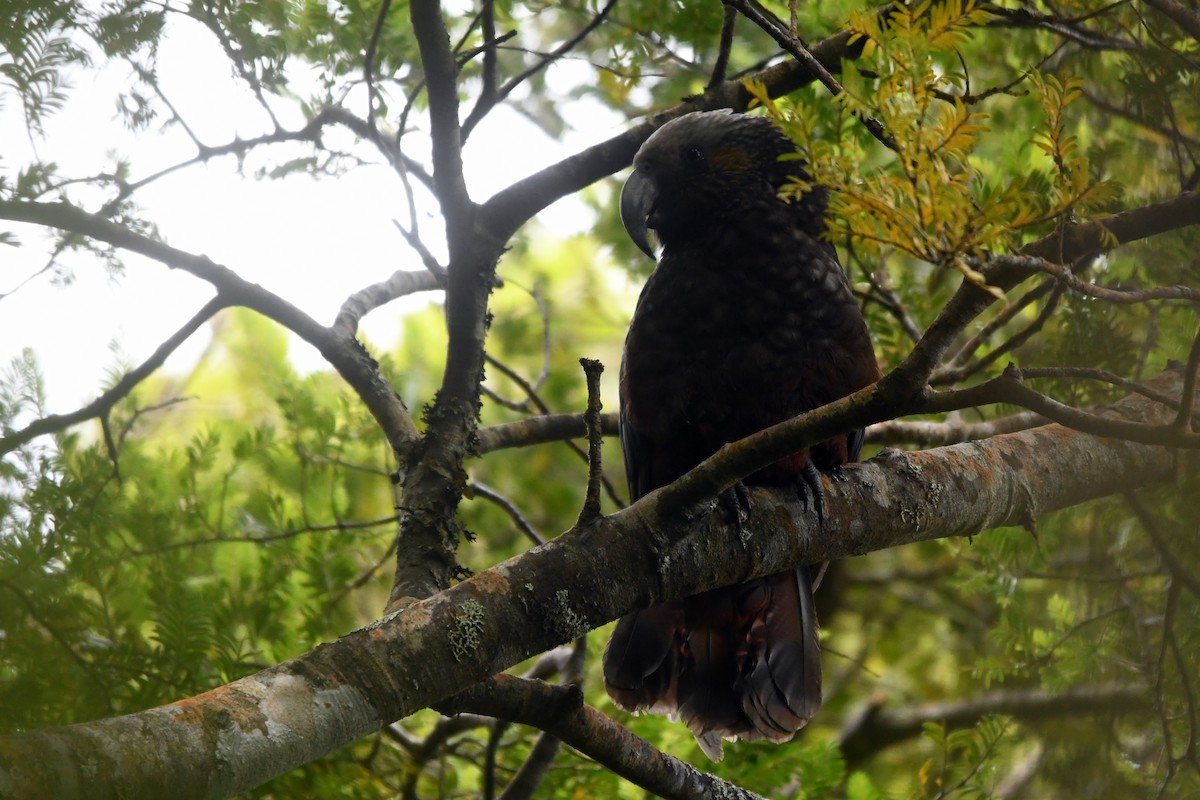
point(736, 501)
point(812, 493)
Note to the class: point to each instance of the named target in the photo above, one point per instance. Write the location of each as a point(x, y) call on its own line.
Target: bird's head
point(698, 168)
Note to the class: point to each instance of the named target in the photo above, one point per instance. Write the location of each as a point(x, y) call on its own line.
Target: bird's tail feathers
point(742, 661)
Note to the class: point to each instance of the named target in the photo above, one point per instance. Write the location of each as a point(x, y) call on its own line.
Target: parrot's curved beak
point(637, 203)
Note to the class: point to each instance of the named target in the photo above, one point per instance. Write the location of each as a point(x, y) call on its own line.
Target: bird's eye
point(693, 154)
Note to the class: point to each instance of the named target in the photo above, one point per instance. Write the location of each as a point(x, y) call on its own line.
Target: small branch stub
point(592, 369)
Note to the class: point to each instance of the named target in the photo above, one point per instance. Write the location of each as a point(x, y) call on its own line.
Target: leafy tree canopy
point(1014, 195)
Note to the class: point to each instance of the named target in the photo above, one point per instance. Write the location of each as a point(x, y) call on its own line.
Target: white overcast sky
point(311, 241)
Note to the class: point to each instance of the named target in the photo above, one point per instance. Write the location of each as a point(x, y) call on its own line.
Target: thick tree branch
point(1101, 235)
point(434, 477)
point(237, 736)
point(1181, 15)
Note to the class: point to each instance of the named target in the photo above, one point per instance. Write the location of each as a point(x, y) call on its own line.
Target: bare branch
point(562, 712)
point(510, 508)
point(369, 64)
point(104, 403)
point(1070, 29)
point(999, 320)
point(539, 430)
point(1067, 277)
point(345, 353)
point(1010, 388)
point(721, 62)
point(1105, 376)
point(541, 406)
point(362, 302)
point(482, 107)
point(876, 728)
point(1007, 346)
point(950, 431)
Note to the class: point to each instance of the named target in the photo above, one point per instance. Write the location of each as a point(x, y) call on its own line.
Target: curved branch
point(561, 711)
point(940, 434)
point(400, 284)
point(1010, 388)
point(344, 352)
point(104, 403)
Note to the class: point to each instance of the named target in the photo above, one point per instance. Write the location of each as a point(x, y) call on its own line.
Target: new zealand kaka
point(747, 320)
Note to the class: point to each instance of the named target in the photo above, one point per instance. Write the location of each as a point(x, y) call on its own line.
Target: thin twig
point(509, 508)
point(724, 45)
point(764, 19)
point(369, 64)
point(1184, 419)
point(481, 109)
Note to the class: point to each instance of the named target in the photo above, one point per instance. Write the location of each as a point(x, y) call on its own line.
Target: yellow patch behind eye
point(731, 158)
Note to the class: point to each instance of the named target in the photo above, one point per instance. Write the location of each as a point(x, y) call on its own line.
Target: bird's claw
point(812, 492)
point(736, 500)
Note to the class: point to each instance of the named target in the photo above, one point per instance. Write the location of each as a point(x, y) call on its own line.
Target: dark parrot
point(747, 320)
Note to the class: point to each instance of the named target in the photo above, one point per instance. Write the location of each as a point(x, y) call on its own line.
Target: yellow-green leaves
point(940, 199)
point(1073, 191)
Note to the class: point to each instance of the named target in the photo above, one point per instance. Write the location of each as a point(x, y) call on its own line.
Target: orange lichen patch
point(491, 582)
point(410, 619)
point(216, 709)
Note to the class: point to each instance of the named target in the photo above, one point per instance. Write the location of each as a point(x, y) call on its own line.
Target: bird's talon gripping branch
point(736, 500)
point(812, 491)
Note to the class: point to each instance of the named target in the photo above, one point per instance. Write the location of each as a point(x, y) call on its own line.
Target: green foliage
point(228, 518)
point(966, 762)
point(938, 199)
point(194, 553)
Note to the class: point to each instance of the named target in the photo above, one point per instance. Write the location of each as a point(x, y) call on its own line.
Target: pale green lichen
point(465, 629)
point(565, 620)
